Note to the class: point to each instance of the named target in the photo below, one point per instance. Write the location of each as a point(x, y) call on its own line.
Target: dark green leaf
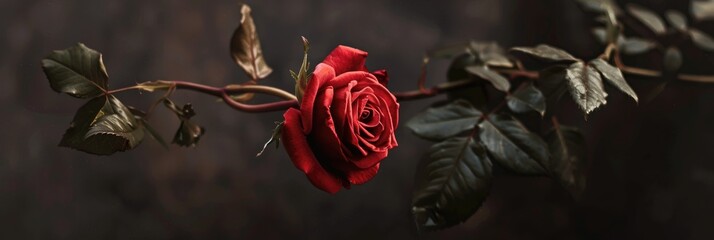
point(303, 74)
point(476, 94)
point(103, 126)
point(458, 178)
point(614, 76)
point(702, 40)
point(552, 84)
point(77, 71)
point(513, 146)
point(448, 52)
point(547, 53)
point(245, 47)
point(585, 85)
point(490, 54)
point(499, 82)
point(275, 138)
point(636, 45)
point(677, 20)
point(703, 10)
point(602, 36)
point(445, 121)
point(648, 18)
point(672, 59)
point(567, 148)
point(527, 99)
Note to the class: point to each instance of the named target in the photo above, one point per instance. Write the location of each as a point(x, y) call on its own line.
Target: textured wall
point(651, 172)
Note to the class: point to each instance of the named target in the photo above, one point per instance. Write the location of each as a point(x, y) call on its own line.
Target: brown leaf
point(245, 47)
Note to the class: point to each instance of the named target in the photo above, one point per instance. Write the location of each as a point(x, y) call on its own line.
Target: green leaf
point(672, 59)
point(458, 179)
point(77, 71)
point(702, 10)
point(614, 76)
point(702, 40)
point(677, 20)
point(103, 126)
point(547, 53)
point(552, 84)
point(490, 54)
point(447, 52)
point(442, 122)
point(567, 161)
point(648, 18)
point(275, 138)
point(634, 45)
point(513, 146)
point(585, 85)
point(476, 94)
point(527, 99)
point(499, 82)
point(245, 47)
point(302, 76)
point(602, 36)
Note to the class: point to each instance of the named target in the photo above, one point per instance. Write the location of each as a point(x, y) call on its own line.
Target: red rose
point(346, 122)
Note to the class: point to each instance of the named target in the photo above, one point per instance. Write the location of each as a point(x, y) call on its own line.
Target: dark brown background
point(652, 166)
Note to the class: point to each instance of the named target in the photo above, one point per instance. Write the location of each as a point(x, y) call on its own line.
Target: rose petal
point(362, 176)
point(324, 134)
point(344, 59)
point(322, 74)
point(300, 153)
point(382, 76)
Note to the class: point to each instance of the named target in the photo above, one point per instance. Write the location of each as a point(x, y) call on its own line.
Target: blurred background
point(651, 173)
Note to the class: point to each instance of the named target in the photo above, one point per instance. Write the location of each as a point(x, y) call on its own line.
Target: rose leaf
point(77, 71)
point(103, 126)
point(512, 146)
point(614, 76)
point(439, 123)
point(457, 178)
point(527, 99)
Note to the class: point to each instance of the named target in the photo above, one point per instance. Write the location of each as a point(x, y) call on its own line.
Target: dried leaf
point(245, 47)
point(275, 138)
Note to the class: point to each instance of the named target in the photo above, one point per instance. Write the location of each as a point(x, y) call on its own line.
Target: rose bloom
point(346, 122)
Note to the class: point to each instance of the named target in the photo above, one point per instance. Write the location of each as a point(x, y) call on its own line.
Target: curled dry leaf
point(245, 47)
